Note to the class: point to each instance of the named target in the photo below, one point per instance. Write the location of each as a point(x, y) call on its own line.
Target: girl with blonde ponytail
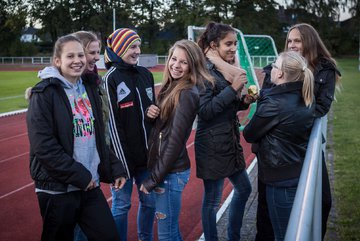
point(295, 68)
point(281, 127)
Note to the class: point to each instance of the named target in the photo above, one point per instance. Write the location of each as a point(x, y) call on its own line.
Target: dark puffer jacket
point(167, 143)
point(281, 126)
point(217, 143)
point(50, 129)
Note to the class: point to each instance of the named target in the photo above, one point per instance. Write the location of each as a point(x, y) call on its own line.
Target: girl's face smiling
point(92, 55)
point(72, 61)
point(178, 64)
point(227, 47)
point(294, 42)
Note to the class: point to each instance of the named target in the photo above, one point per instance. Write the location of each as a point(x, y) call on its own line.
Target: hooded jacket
point(130, 89)
point(51, 134)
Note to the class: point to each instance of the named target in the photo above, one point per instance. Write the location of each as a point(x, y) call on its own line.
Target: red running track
point(19, 213)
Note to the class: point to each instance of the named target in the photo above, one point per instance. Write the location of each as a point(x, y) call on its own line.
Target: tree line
point(161, 22)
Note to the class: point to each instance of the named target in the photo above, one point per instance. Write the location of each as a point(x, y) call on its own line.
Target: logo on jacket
point(122, 91)
point(149, 93)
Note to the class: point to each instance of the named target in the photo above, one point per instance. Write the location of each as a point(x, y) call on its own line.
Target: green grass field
point(14, 83)
point(346, 138)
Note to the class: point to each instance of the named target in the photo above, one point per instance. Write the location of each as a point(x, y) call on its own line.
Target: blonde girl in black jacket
point(304, 39)
point(281, 126)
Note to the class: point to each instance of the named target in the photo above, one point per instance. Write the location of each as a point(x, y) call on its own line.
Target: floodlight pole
point(114, 27)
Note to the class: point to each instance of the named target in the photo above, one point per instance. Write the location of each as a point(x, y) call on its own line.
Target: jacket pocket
point(222, 139)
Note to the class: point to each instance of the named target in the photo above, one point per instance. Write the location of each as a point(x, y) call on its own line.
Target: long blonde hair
point(295, 69)
point(169, 94)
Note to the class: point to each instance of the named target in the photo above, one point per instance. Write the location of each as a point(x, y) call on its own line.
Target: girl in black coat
point(304, 39)
point(218, 152)
point(68, 153)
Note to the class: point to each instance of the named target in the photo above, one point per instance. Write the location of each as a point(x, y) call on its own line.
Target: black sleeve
point(117, 133)
point(324, 95)
point(264, 119)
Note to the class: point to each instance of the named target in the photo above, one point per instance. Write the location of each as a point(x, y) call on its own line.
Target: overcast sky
point(343, 15)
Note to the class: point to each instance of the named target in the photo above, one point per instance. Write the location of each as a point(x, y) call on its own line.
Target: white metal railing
point(25, 60)
point(261, 61)
point(161, 59)
point(305, 217)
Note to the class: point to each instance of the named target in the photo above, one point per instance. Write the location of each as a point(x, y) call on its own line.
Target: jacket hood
point(53, 72)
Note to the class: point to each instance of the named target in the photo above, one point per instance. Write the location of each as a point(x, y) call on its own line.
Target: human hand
point(143, 189)
point(248, 99)
point(153, 111)
point(239, 81)
point(91, 185)
point(119, 183)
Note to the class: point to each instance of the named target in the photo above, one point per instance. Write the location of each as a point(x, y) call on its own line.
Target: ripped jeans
point(168, 205)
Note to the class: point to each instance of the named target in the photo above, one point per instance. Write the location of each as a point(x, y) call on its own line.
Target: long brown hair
point(169, 94)
point(313, 47)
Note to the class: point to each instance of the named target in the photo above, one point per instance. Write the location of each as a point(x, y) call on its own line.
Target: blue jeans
point(79, 234)
point(280, 201)
point(121, 203)
point(168, 205)
point(211, 202)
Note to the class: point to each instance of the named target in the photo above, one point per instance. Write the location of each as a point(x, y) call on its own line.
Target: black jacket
point(324, 88)
point(217, 143)
point(50, 129)
point(131, 91)
point(167, 152)
point(281, 126)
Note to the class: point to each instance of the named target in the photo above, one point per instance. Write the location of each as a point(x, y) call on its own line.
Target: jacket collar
point(286, 87)
point(324, 65)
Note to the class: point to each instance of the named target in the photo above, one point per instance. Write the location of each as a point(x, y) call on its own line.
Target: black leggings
point(61, 212)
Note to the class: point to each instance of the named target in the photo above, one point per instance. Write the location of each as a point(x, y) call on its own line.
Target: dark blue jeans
point(280, 201)
point(211, 202)
point(121, 204)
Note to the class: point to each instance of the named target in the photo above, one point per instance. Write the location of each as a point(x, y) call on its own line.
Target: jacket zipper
point(160, 139)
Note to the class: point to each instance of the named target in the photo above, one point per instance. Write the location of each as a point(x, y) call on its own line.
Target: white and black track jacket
point(130, 90)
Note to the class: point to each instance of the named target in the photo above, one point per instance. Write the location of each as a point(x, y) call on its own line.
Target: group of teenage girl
point(85, 129)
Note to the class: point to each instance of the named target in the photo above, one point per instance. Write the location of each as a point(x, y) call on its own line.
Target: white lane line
point(19, 189)
point(110, 198)
point(228, 199)
point(13, 157)
point(16, 112)
point(11, 97)
point(12, 137)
